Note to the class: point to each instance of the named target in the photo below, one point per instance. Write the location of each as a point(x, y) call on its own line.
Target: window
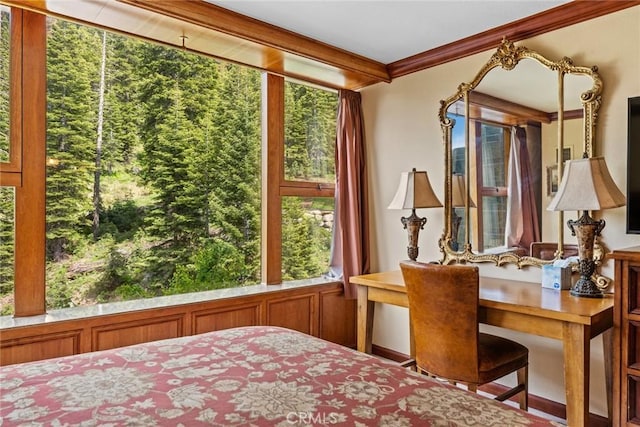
point(153, 173)
point(7, 164)
point(493, 152)
point(310, 133)
point(6, 249)
point(309, 173)
point(153, 177)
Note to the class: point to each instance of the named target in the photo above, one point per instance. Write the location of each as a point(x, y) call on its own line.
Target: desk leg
point(607, 349)
point(365, 319)
point(575, 339)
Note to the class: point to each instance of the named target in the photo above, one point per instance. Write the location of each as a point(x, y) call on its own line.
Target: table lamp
point(458, 200)
point(586, 186)
point(414, 192)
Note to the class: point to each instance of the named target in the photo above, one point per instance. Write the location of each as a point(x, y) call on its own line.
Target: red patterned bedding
point(262, 376)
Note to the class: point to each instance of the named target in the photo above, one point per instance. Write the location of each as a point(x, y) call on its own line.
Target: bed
point(262, 376)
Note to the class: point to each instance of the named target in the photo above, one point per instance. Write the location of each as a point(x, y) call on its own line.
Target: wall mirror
point(506, 135)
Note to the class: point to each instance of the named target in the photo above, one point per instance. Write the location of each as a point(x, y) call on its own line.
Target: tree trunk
point(96, 180)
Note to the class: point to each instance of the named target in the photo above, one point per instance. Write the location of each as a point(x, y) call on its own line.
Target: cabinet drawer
point(633, 289)
point(633, 399)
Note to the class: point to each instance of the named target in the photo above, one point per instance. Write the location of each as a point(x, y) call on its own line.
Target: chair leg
point(523, 378)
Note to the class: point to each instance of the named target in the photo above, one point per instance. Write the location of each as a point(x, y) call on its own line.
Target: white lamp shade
point(414, 191)
point(586, 185)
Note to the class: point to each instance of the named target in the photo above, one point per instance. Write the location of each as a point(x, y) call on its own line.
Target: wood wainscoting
point(319, 310)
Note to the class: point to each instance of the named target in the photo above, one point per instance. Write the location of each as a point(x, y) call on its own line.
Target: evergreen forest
point(153, 171)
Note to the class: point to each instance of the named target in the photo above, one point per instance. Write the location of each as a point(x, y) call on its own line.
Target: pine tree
point(236, 130)
point(71, 132)
point(6, 241)
point(123, 111)
point(97, 173)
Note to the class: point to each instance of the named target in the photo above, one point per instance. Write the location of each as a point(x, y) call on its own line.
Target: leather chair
point(443, 309)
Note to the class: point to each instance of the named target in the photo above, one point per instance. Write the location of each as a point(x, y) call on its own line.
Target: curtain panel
point(350, 246)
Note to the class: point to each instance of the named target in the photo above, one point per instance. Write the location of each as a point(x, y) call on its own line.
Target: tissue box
point(556, 277)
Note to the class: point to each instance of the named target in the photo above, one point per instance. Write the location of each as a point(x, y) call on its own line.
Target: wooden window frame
point(481, 190)
point(10, 171)
point(273, 172)
point(27, 171)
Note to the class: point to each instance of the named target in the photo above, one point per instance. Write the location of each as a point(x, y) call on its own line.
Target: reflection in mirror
point(506, 134)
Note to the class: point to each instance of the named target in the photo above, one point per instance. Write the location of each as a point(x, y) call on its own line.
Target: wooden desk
point(524, 307)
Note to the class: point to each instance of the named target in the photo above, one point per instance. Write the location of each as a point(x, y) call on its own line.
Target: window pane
point(153, 177)
point(5, 39)
point(310, 133)
point(7, 208)
point(494, 163)
point(494, 216)
point(306, 236)
point(458, 147)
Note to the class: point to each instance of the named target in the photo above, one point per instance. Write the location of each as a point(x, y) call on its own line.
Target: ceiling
point(385, 30)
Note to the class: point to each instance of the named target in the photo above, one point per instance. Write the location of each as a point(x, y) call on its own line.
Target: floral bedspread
point(262, 376)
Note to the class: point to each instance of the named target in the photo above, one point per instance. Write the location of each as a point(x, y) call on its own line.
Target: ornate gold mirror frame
point(508, 56)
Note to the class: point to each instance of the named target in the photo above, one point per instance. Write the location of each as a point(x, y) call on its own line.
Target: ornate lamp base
point(413, 224)
point(586, 229)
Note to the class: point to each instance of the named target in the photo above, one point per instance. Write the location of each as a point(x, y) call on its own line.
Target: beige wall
point(402, 132)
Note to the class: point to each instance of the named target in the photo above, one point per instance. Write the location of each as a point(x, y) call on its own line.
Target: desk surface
point(515, 296)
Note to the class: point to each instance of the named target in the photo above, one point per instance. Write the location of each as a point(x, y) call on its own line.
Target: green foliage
point(300, 259)
point(73, 66)
point(310, 132)
point(6, 240)
point(216, 265)
point(59, 289)
point(122, 219)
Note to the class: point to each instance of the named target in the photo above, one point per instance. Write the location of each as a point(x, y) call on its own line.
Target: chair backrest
point(443, 310)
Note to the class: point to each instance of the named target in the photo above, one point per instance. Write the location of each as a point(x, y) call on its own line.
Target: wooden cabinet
point(626, 358)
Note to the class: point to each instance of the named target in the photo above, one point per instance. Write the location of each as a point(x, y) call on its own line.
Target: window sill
point(82, 312)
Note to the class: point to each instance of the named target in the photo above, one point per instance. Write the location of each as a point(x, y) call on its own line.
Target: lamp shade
point(459, 192)
point(586, 185)
point(414, 191)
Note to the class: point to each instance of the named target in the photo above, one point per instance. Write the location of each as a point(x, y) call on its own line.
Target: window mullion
point(30, 199)
point(272, 176)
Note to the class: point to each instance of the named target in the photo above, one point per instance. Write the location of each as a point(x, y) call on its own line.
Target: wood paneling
point(337, 318)
point(295, 312)
point(128, 333)
point(626, 339)
point(39, 347)
point(226, 317)
point(302, 309)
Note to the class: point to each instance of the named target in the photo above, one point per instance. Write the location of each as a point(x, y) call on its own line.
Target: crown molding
point(553, 19)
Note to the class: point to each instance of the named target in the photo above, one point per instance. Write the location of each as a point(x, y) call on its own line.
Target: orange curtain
point(350, 246)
